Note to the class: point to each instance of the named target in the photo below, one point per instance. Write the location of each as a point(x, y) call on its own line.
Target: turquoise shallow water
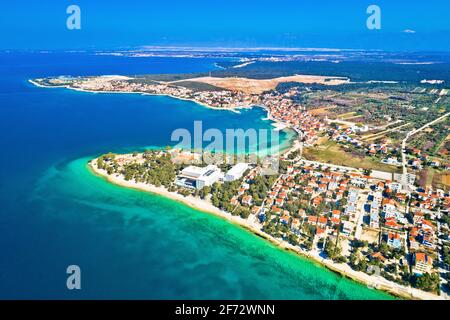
point(164, 240)
point(128, 244)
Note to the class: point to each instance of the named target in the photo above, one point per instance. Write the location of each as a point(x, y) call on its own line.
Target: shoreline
point(343, 270)
point(278, 125)
point(234, 109)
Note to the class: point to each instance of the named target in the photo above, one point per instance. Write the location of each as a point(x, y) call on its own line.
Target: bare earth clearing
point(257, 86)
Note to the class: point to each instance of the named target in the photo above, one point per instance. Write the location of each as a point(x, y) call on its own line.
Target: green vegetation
point(331, 152)
point(199, 86)
point(446, 255)
point(356, 70)
point(357, 262)
point(156, 168)
point(221, 194)
point(431, 139)
point(259, 188)
point(427, 282)
point(333, 250)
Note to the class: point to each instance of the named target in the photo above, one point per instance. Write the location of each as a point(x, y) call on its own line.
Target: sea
point(128, 244)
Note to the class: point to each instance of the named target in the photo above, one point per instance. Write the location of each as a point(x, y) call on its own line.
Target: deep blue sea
point(128, 244)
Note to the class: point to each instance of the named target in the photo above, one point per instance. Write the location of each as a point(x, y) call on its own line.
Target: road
point(329, 165)
point(360, 219)
point(375, 136)
point(408, 135)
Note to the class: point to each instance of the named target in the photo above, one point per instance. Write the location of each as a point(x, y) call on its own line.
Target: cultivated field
point(331, 152)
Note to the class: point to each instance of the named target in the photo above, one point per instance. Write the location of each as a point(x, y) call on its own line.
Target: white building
point(347, 227)
point(422, 263)
point(374, 220)
point(236, 172)
point(198, 177)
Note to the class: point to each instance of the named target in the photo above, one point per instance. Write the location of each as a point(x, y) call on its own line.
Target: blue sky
point(291, 23)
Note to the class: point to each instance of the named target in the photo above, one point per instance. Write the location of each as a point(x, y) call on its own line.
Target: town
point(351, 192)
point(363, 220)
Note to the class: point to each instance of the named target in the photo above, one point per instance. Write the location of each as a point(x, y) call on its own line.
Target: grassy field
point(331, 152)
point(320, 110)
point(347, 115)
point(441, 180)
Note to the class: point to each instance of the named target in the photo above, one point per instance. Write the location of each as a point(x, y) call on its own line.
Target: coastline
point(204, 206)
point(235, 109)
point(344, 270)
point(276, 124)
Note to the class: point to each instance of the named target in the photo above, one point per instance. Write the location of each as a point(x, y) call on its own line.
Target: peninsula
point(347, 193)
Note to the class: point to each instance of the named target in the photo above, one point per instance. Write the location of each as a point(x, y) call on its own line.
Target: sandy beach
point(202, 205)
point(378, 283)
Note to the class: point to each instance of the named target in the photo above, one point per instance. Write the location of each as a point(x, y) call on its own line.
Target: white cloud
point(409, 31)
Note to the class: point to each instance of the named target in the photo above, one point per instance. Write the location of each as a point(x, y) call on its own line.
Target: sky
point(405, 24)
